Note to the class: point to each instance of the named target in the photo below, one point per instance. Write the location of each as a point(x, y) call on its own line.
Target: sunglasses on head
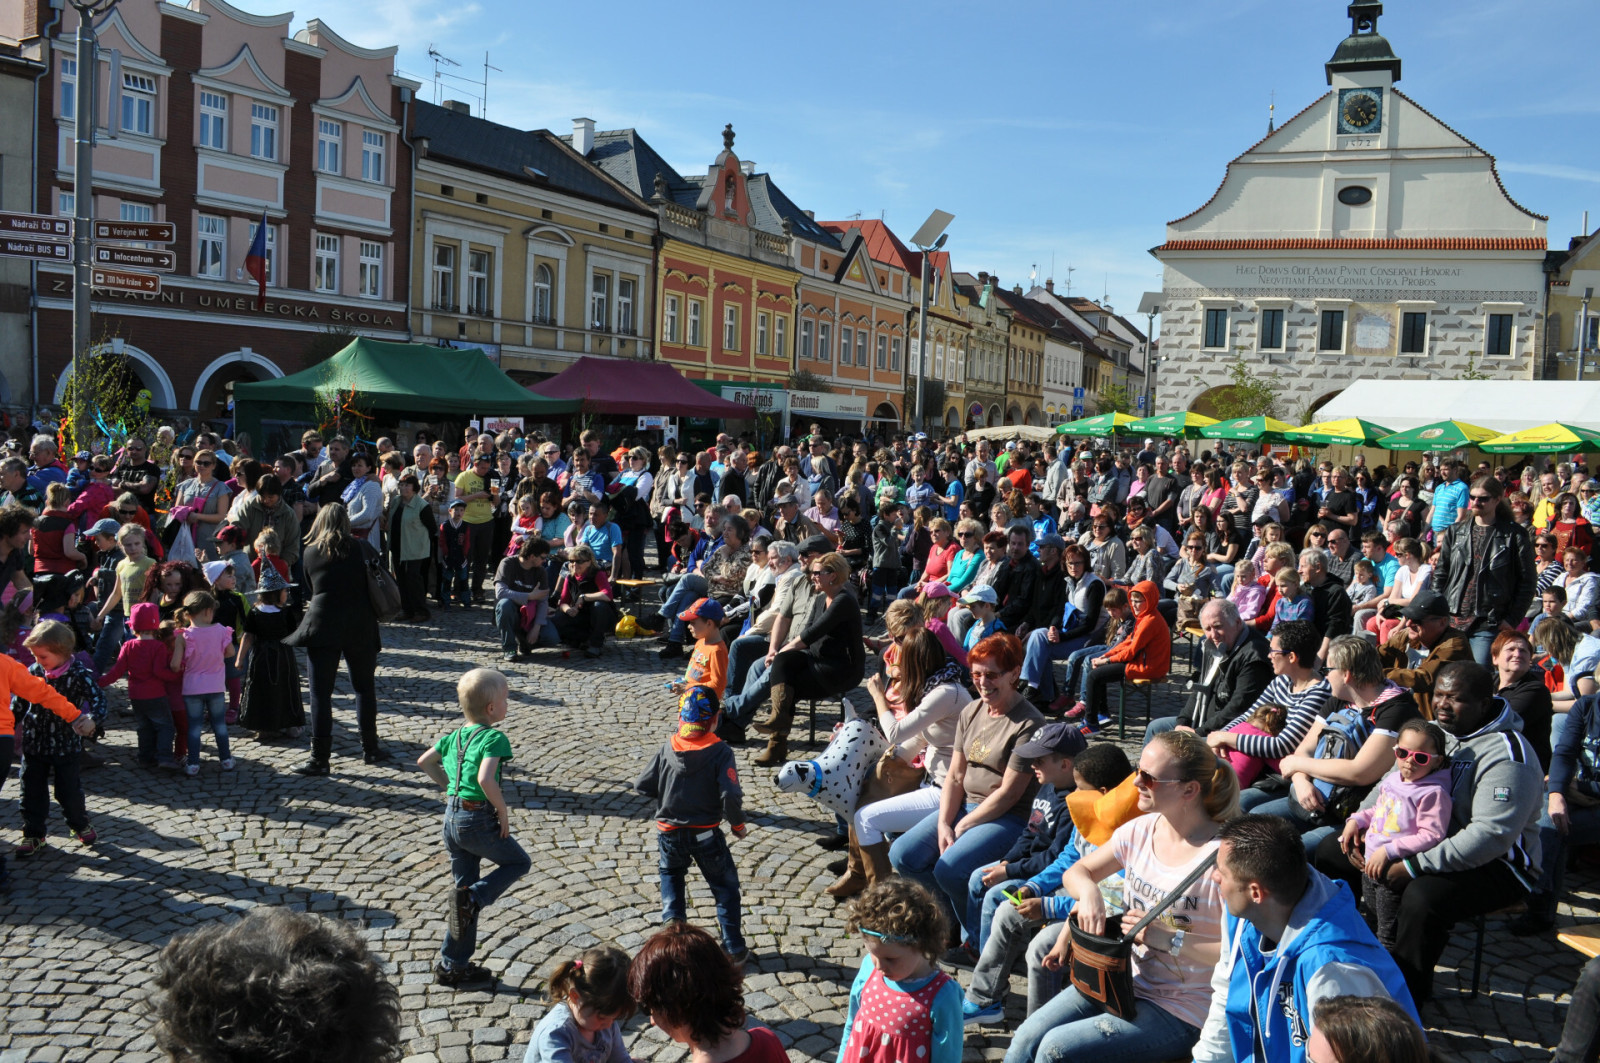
point(1421, 759)
point(892, 939)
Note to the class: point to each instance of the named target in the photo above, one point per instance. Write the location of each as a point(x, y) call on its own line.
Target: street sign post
point(28, 247)
point(125, 280)
point(1077, 412)
point(154, 232)
point(1141, 402)
point(1077, 393)
point(45, 225)
point(137, 257)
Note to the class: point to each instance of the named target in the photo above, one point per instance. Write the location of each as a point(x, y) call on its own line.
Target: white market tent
point(1503, 405)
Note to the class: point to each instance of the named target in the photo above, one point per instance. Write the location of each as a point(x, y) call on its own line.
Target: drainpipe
point(48, 34)
point(411, 206)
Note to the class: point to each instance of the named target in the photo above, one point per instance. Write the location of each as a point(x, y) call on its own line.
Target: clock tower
point(1362, 72)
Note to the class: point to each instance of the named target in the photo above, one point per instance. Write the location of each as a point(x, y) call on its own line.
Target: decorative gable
point(723, 193)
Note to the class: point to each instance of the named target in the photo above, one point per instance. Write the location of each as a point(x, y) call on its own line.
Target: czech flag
point(255, 259)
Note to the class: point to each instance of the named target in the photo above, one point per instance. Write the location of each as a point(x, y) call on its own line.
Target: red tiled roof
point(884, 246)
point(1420, 243)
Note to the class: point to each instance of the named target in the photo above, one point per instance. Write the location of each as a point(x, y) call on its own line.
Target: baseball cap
point(458, 502)
point(980, 594)
point(1427, 603)
point(936, 589)
point(704, 609)
point(816, 544)
point(146, 616)
point(785, 499)
point(1058, 738)
point(215, 569)
point(105, 527)
point(82, 455)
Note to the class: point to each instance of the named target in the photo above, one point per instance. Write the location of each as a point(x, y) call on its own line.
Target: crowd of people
point(1389, 724)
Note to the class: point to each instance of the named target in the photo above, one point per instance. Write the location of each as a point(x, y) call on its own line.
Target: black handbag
point(1101, 965)
point(382, 590)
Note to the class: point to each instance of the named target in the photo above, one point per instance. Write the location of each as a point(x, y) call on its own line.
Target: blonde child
point(1248, 594)
point(268, 546)
point(1291, 604)
point(1265, 722)
point(136, 562)
point(1365, 592)
point(527, 523)
point(52, 738)
point(203, 651)
point(590, 997)
point(1411, 815)
point(902, 1007)
point(477, 820)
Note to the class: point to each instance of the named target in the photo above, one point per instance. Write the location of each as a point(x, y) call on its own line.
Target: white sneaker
point(191, 769)
point(227, 764)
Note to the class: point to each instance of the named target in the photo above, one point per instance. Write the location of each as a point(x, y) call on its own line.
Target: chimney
point(1016, 289)
point(583, 136)
point(457, 106)
point(983, 276)
point(747, 167)
point(1050, 285)
point(811, 214)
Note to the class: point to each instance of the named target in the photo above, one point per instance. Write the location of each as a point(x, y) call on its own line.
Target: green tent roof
point(408, 378)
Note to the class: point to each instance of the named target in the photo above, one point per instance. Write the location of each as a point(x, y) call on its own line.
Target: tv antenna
point(438, 59)
point(1070, 271)
point(486, 69)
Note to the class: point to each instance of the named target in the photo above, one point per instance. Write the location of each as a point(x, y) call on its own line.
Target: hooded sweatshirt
point(1148, 651)
point(1409, 817)
point(1497, 794)
point(695, 783)
point(1262, 998)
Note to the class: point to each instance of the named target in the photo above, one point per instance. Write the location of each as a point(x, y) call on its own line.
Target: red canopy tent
point(611, 385)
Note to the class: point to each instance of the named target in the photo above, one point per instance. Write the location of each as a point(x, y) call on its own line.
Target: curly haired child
point(590, 997)
point(901, 1005)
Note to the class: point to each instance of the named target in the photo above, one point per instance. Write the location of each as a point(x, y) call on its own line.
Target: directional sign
point(28, 247)
point(1141, 402)
point(155, 232)
point(126, 280)
point(1077, 412)
point(1077, 393)
point(45, 225)
point(137, 257)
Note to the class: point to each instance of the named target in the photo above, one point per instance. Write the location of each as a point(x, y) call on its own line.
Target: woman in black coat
point(339, 621)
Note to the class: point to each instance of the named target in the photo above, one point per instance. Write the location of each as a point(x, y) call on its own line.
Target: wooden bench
point(1146, 685)
point(631, 591)
point(1586, 939)
point(1478, 923)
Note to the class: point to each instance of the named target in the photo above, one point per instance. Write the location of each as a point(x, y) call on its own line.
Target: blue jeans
point(987, 899)
point(743, 652)
point(708, 849)
point(1072, 1027)
point(1290, 809)
point(200, 707)
point(1583, 828)
point(1158, 726)
point(1078, 670)
point(1481, 642)
point(508, 619)
point(153, 726)
point(109, 641)
point(471, 838)
point(882, 583)
point(689, 589)
point(915, 854)
point(1038, 666)
point(455, 584)
point(740, 707)
point(1224, 577)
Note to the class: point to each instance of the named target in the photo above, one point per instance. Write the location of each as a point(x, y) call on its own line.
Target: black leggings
point(809, 677)
point(1099, 679)
point(322, 668)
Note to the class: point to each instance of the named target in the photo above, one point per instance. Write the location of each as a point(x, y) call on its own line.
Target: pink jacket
point(1408, 817)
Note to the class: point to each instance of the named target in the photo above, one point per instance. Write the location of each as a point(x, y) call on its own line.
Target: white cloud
point(1559, 171)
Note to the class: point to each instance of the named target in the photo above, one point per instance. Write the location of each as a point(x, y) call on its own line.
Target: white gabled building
point(1363, 238)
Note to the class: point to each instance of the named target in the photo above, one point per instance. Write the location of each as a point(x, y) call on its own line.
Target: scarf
point(353, 490)
point(952, 672)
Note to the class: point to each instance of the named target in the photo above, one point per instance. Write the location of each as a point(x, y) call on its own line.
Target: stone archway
point(1013, 414)
point(1318, 404)
point(211, 392)
point(1032, 416)
point(994, 417)
point(149, 371)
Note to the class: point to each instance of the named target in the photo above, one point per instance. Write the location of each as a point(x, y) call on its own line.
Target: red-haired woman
point(694, 993)
point(987, 791)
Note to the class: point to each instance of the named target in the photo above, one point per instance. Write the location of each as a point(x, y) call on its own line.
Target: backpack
point(1344, 732)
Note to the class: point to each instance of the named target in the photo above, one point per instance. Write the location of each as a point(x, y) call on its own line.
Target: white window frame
point(66, 204)
point(137, 212)
point(543, 289)
point(599, 301)
point(271, 250)
point(780, 337)
point(480, 282)
point(211, 246)
point(442, 267)
point(264, 119)
point(894, 354)
point(862, 338)
point(213, 120)
point(325, 270)
point(696, 313)
point(138, 104)
point(330, 146)
point(669, 319)
point(374, 155)
point(730, 327)
point(626, 286)
point(370, 279)
point(825, 342)
point(808, 334)
point(69, 88)
point(847, 342)
point(763, 329)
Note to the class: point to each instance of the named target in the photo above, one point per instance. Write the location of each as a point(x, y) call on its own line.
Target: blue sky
point(1068, 131)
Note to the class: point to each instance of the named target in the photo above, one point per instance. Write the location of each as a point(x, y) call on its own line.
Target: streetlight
point(927, 239)
point(1149, 306)
point(83, 194)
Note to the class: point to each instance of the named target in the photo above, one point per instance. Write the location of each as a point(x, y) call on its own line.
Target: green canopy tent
point(393, 378)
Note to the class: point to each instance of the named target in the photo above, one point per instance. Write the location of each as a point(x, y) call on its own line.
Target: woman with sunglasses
point(207, 500)
point(1185, 794)
point(1490, 557)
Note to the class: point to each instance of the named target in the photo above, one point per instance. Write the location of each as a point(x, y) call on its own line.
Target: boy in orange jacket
point(1145, 654)
point(15, 679)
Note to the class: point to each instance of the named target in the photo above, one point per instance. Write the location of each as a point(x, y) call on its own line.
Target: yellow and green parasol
point(1441, 435)
point(1249, 430)
point(1103, 424)
point(1348, 431)
point(1553, 438)
point(1183, 423)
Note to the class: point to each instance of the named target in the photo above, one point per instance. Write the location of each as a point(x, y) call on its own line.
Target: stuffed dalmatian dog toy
point(836, 778)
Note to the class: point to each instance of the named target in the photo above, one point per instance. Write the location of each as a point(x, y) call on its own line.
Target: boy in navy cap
point(695, 783)
point(708, 664)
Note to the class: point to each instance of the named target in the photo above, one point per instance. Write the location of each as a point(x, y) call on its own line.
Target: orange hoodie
point(16, 679)
point(1148, 651)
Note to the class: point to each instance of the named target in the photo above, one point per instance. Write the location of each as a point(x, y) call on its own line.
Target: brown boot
point(781, 717)
point(876, 860)
point(777, 751)
point(854, 879)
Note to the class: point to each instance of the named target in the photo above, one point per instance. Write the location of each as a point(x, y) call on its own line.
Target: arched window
point(728, 196)
point(541, 295)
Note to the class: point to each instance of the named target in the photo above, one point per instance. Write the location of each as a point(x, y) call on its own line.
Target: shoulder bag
point(382, 591)
point(1101, 965)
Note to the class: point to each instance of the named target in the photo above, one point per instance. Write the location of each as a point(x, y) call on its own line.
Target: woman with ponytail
point(1186, 793)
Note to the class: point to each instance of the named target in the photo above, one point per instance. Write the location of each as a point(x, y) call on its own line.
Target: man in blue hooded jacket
point(1292, 938)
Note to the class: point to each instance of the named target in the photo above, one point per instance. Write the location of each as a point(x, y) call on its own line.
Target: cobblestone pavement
point(80, 928)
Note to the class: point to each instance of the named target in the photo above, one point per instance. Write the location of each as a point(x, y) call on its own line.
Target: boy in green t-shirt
point(477, 822)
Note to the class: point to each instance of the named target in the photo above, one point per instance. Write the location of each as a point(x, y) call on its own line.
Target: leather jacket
point(1505, 584)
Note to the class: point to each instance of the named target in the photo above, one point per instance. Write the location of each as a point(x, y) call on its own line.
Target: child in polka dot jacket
point(903, 1009)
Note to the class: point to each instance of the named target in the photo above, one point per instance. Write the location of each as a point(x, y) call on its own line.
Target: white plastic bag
point(182, 548)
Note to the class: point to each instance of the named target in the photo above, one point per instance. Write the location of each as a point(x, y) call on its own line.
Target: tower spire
point(1272, 105)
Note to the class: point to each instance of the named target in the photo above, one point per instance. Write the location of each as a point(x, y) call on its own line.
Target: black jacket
point(695, 783)
point(1049, 597)
point(1330, 608)
point(1014, 584)
point(1234, 687)
point(1505, 584)
point(340, 611)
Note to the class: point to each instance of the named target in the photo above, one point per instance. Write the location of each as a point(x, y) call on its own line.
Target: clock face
point(1360, 110)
